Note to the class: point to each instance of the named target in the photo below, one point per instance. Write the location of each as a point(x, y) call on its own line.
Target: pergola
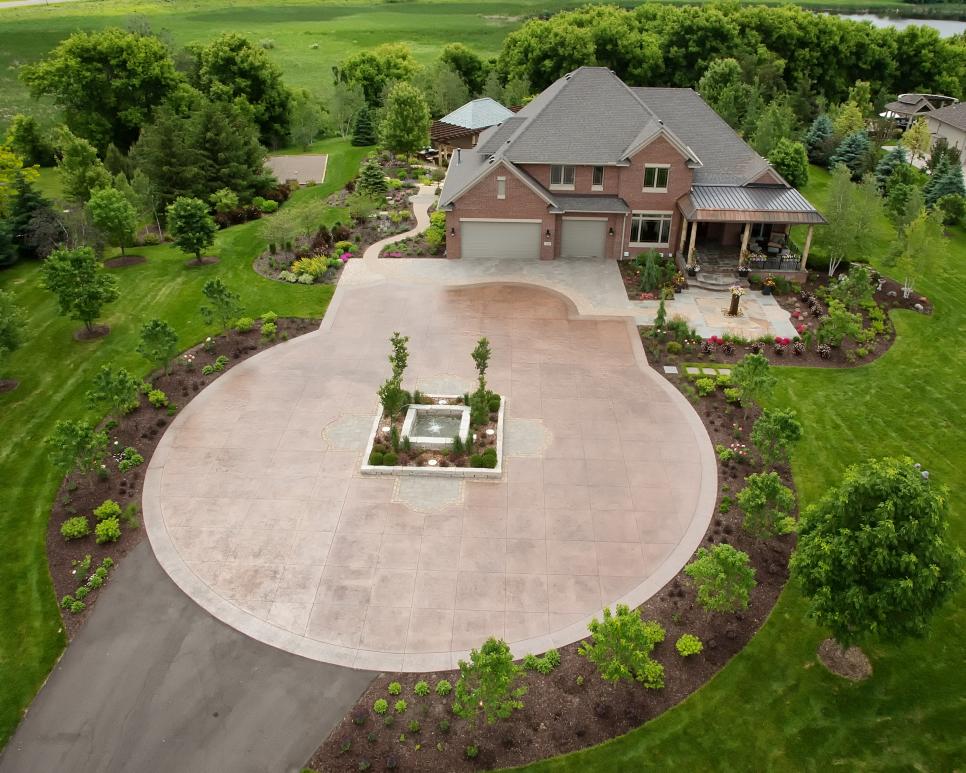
point(751, 204)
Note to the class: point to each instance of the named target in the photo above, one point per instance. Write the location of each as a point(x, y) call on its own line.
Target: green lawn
point(55, 372)
point(774, 707)
point(338, 27)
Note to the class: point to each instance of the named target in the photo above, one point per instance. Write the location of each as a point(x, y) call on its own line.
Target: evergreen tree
point(363, 130)
point(853, 153)
point(775, 123)
point(227, 138)
point(937, 174)
point(8, 245)
point(165, 154)
point(25, 138)
point(888, 164)
point(818, 138)
point(372, 181)
point(25, 204)
point(949, 183)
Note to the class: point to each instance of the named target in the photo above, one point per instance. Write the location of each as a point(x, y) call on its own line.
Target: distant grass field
point(55, 372)
point(774, 707)
point(338, 27)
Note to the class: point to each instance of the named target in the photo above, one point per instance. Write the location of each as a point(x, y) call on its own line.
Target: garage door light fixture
point(547, 234)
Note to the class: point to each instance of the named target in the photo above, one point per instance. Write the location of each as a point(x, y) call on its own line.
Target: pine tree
point(853, 152)
point(817, 139)
point(887, 166)
point(363, 130)
point(372, 181)
point(937, 174)
point(26, 202)
point(949, 183)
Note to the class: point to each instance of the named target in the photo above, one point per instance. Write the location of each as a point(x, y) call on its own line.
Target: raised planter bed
point(430, 454)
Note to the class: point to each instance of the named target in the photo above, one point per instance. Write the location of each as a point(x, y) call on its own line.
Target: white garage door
point(500, 239)
point(583, 238)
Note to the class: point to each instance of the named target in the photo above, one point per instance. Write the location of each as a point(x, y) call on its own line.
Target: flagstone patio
point(255, 506)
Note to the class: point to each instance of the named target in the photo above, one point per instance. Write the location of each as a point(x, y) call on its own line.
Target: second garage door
point(583, 238)
point(500, 239)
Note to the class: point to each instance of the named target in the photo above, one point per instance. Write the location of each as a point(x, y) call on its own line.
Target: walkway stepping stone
point(691, 371)
point(709, 371)
point(670, 369)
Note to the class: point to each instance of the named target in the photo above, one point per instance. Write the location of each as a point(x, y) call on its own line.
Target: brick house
point(595, 168)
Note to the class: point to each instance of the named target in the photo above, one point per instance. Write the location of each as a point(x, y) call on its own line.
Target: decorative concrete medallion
point(426, 494)
point(526, 437)
point(348, 432)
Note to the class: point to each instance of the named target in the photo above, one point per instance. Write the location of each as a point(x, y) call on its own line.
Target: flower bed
point(394, 448)
point(661, 278)
point(136, 435)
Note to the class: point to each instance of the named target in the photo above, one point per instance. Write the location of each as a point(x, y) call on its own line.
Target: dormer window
point(562, 176)
point(655, 178)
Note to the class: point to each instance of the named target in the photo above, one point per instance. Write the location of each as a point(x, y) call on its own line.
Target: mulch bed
point(573, 708)
point(206, 260)
point(122, 261)
point(631, 277)
point(91, 334)
point(8, 385)
point(852, 663)
point(142, 430)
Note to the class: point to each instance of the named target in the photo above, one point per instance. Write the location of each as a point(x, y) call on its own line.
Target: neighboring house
point(595, 168)
point(462, 127)
point(949, 123)
point(908, 107)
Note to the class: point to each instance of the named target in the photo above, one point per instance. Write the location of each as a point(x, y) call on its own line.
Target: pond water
point(436, 424)
point(946, 27)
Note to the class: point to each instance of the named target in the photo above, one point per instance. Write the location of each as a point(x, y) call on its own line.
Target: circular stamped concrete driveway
point(255, 506)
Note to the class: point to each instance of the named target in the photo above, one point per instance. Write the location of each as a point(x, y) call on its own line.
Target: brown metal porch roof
point(747, 204)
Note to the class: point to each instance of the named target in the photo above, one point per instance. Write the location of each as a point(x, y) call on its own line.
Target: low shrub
point(688, 644)
point(421, 688)
point(376, 458)
point(472, 751)
point(269, 316)
point(673, 347)
point(381, 706)
point(130, 458)
point(394, 688)
point(244, 324)
point(75, 528)
point(723, 380)
point(733, 395)
point(157, 398)
point(494, 403)
point(400, 706)
point(414, 726)
point(724, 453)
point(705, 386)
point(443, 688)
point(108, 530)
point(390, 459)
point(269, 330)
point(107, 509)
point(544, 664)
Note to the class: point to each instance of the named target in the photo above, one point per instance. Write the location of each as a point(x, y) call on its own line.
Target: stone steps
point(712, 280)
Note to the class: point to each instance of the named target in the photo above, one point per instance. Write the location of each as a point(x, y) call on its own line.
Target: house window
point(598, 181)
point(655, 178)
point(562, 176)
point(652, 228)
point(501, 187)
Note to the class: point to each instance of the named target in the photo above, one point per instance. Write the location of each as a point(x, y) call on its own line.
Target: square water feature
point(435, 426)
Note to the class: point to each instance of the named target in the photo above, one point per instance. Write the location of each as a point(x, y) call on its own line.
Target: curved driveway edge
point(325, 618)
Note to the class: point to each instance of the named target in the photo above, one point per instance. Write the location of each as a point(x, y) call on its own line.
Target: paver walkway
point(255, 506)
point(154, 684)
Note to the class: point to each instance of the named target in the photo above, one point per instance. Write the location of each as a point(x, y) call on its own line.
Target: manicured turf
point(55, 373)
point(294, 26)
point(774, 707)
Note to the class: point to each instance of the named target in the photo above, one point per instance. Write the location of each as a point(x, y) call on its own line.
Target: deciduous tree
point(111, 212)
point(467, 64)
point(488, 684)
point(621, 645)
point(916, 139)
point(158, 344)
point(81, 170)
point(191, 227)
point(81, 284)
point(752, 375)
point(114, 390)
point(766, 503)
point(774, 433)
point(790, 161)
point(306, 119)
point(225, 305)
point(107, 82)
point(373, 70)
point(724, 578)
point(405, 123)
point(875, 558)
point(76, 445)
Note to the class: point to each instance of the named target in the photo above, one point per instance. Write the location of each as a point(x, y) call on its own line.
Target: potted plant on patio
point(767, 285)
point(679, 282)
point(743, 270)
point(693, 269)
point(736, 292)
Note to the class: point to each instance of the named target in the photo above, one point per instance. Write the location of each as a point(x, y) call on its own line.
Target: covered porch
point(729, 227)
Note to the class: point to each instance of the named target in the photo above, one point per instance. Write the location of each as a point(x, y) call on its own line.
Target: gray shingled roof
point(726, 158)
point(954, 115)
point(761, 203)
point(575, 203)
point(492, 140)
point(592, 117)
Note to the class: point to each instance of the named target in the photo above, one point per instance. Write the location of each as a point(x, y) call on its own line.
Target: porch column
point(805, 249)
point(684, 235)
point(694, 234)
point(743, 255)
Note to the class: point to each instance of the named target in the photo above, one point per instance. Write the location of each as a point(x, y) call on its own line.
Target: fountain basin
point(435, 426)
